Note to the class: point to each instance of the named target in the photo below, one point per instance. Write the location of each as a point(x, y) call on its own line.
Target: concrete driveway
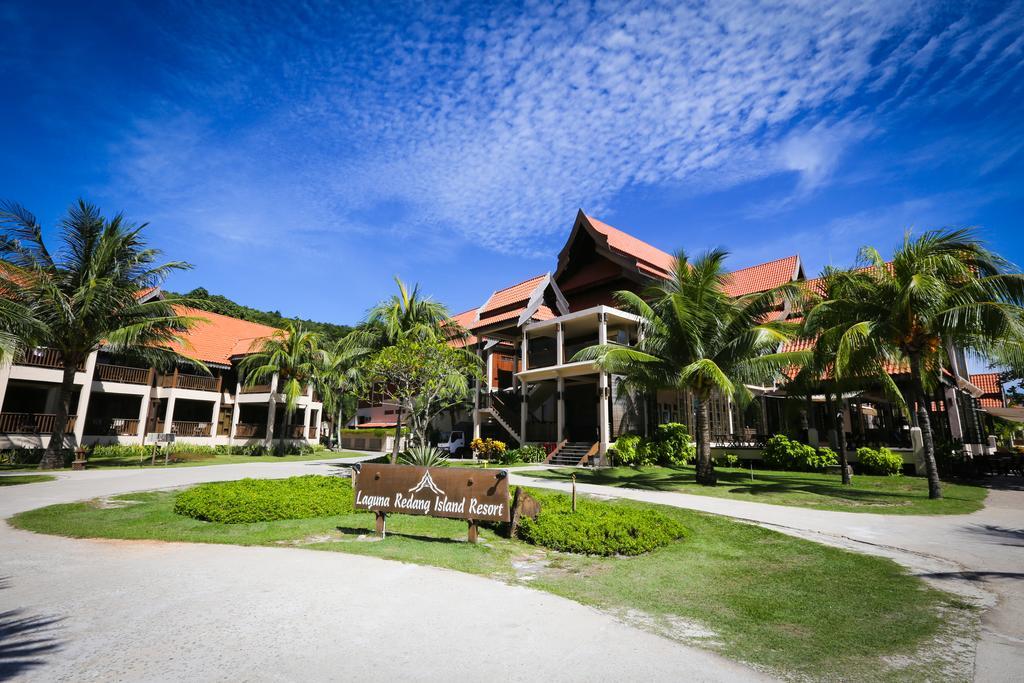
point(91, 610)
point(980, 556)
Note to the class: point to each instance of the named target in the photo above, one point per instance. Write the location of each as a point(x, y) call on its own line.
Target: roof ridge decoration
point(537, 298)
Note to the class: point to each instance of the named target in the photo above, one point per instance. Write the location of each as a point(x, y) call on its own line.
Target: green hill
point(217, 303)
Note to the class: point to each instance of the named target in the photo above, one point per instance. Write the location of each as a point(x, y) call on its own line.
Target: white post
point(306, 413)
point(169, 413)
point(215, 419)
point(236, 411)
point(602, 415)
point(5, 375)
point(561, 409)
point(732, 425)
point(602, 328)
point(526, 350)
point(272, 410)
point(490, 370)
point(319, 422)
point(476, 402)
point(559, 344)
point(143, 417)
point(83, 398)
point(524, 408)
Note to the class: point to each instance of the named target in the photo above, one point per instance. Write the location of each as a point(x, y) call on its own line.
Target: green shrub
point(424, 456)
point(524, 454)
point(727, 460)
point(783, 453)
point(21, 456)
point(881, 461)
point(627, 450)
point(671, 445)
point(597, 528)
point(266, 500)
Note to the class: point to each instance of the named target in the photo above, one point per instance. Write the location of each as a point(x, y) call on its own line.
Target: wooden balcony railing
point(123, 373)
point(250, 430)
point(116, 426)
point(294, 432)
point(183, 428)
point(31, 423)
point(196, 382)
point(42, 357)
point(256, 389)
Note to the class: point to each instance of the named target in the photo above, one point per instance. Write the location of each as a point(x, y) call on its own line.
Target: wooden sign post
point(455, 492)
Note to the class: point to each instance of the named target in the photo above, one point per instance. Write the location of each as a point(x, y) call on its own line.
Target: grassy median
point(882, 495)
point(789, 606)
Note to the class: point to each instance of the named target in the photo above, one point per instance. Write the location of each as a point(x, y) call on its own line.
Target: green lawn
point(197, 461)
point(889, 495)
point(790, 606)
point(25, 479)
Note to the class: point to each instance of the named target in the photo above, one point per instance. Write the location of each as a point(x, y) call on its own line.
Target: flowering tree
point(423, 378)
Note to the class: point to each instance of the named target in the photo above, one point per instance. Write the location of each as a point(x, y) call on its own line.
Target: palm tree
point(697, 338)
point(405, 315)
point(942, 292)
point(86, 295)
point(292, 355)
point(336, 376)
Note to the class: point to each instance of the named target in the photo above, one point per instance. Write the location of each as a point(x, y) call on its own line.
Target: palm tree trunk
point(841, 442)
point(705, 465)
point(924, 421)
point(53, 457)
point(398, 435)
point(337, 427)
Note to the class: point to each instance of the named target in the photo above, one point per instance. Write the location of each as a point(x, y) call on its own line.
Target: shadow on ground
point(25, 640)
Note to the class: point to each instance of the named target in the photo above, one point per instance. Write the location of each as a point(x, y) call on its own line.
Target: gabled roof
point(510, 296)
point(217, 338)
point(763, 277)
point(523, 301)
point(989, 383)
point(647, 257)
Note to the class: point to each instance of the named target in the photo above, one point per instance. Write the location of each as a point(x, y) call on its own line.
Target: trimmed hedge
point(266, 500)
point(196, 451)
point(881, 461)
point(597, 528)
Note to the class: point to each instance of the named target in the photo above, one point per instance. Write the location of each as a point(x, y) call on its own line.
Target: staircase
point(495, 406)
point(573, 453)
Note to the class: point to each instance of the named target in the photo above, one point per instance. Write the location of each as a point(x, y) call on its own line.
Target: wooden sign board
point(456, 492)
point(160, 437)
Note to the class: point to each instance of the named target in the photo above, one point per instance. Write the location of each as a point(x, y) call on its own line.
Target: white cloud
point(497, 125)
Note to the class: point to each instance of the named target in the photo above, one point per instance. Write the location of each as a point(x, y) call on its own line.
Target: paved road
point(89, 610)
point(980, 555)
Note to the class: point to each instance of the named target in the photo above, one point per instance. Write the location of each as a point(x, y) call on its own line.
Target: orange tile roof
point(511, 295)
point(762, 277)
point(989, 383)
point(465, 320)
point(649, 257)
point(216, 338)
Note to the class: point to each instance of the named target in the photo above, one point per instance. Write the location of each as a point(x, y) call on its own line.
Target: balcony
point(194, 382)
point(250, 430)
point(31, 423)
point(112, 426)
point(123, 374)
point(42, 357)
point(183, 428)
point(294, 432)
point(256, 389)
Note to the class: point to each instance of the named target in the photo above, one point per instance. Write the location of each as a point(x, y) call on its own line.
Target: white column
point(5, 375)
point(732, 425)
point(83, 398)
point(272, 409)
point(169, 413)
point(306, 413)
point(526, 349)
point(476, 402)
point(319, 421)
point(215, 420)
point(561, 408)
point(602, 328)
point(956, 428)
point(236, 411)
point(490, 370)
point(559, 344)
point(524, 409)
point(602, 415)
point(143, 416)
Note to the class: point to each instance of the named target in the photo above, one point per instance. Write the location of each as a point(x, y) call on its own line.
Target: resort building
point(116, 401)
point(534, 392)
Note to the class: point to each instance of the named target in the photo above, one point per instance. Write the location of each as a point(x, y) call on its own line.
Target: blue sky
point(301, 154)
